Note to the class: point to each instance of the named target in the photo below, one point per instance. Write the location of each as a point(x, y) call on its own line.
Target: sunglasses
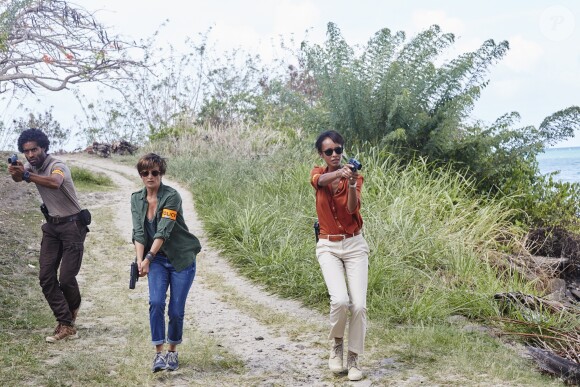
point(328, 152)
point(146, 173)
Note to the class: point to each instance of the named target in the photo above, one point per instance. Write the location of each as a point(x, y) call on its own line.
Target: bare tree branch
point(53, 44)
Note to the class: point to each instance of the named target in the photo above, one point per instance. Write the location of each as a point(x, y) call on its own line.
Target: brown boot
point(66, 332)
point(57, 329)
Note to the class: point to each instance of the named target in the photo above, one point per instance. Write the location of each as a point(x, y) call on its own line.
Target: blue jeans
point(162, 275)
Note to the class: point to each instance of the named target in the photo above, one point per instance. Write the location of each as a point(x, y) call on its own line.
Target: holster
point(85, 217)
point(44, 211)
point(316, 230)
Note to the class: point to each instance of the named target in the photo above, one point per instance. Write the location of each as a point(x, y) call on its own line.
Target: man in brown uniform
point(63, 234)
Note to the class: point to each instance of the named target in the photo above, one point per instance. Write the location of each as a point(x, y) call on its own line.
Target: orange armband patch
point(58, 172)
point(170, 214)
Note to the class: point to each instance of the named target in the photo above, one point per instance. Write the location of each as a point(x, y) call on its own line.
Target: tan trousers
point(347, 258)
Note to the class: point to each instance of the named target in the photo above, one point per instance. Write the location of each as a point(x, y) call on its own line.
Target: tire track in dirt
point(290, 349)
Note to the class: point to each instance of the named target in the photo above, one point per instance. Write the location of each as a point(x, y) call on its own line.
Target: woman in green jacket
point(166, 252)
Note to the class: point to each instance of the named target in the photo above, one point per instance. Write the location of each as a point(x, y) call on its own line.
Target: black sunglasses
point(338, 151)
point(146, 173)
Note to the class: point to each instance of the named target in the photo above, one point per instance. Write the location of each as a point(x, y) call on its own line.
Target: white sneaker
point(335, 359)
point(354, 371)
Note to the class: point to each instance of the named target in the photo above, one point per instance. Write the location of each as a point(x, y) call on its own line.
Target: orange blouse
point(333, 215)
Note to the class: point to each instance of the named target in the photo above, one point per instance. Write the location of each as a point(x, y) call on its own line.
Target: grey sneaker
point(354, 371)
point(335, 358)
point(172, 361)
point(159, 362)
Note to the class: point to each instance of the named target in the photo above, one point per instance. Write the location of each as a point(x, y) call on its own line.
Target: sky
point(539, 76)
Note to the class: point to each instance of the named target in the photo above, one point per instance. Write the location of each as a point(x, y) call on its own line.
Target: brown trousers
point(62, 246)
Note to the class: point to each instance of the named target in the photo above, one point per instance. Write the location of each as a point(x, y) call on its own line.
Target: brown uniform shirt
point(333, 215)
point(62, 201)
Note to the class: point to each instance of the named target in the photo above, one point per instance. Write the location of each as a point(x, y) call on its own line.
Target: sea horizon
point(566, 160)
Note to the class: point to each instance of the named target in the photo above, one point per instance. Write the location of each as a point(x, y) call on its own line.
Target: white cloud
point(423, 19)
point(228, 35)
point(523, 54)
point(292, 17)
point(505, 89)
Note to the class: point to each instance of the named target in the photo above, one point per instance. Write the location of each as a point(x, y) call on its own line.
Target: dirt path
point(277, 341)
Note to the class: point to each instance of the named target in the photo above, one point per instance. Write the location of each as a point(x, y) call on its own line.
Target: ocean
point(565, 160)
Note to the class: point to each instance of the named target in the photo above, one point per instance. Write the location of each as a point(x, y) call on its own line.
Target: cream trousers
point(345, 266)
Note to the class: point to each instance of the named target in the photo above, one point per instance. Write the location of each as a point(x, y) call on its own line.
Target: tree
point(53, 44)
point(58, 136)
point(394, 94)
point(161, 96)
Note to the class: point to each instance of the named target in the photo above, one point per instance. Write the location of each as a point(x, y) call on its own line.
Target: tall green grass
point(431, 237)
point(435, 245)
point(86, 180)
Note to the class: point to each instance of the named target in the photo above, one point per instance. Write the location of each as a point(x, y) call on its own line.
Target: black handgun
point(134, 274)
point(12, 160)
point(316, 230)
point(356, 165)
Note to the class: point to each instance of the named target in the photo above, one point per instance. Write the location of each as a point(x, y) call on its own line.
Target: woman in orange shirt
point(342, 251)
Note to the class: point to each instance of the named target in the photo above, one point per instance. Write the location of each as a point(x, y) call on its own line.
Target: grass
point(114, 349)
point(451, 355)
point(432, 242)
point(433, 245)
point(430, 238)
point(266, 315)
point(88, 181)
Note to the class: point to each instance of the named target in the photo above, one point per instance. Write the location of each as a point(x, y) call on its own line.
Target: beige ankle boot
point(335, 359)
point(354, 371)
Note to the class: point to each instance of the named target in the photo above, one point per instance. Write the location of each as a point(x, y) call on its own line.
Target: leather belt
point(62, 219)
point(338, 237)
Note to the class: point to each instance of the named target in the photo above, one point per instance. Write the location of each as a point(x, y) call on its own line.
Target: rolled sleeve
point(315, 175)
point(167, 216)
point(138, 234)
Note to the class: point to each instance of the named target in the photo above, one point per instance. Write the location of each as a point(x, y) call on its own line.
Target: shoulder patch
point(170, 214)
point(58, 171)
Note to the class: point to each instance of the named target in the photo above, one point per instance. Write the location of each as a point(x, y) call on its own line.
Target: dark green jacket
point(180, 246)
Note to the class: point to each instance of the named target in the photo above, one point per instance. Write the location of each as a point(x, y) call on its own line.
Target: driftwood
point(521, 300)
point(550, 258)
point(105, 150)
point(558, 366)
point(559, 354)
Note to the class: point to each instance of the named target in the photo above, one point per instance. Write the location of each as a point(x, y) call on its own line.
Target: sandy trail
point(288, 350)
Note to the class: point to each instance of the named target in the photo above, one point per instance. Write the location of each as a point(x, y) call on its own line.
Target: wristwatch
point(26, 176)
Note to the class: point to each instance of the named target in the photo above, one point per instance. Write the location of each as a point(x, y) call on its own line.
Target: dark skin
point(336, 171)
point(35, 155)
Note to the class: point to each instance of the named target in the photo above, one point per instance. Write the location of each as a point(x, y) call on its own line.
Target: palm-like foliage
point(402, 95)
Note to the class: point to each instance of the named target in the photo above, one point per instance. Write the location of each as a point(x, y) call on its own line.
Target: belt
point(338, 237)
point(62, 219)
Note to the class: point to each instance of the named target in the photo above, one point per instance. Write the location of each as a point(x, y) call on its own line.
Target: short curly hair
point(35, 135)
point(150, 161)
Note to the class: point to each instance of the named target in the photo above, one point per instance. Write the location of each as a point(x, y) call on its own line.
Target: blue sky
point(539, 75)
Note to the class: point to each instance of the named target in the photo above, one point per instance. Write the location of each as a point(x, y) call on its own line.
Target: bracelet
point(150, 256)
point(26, 176)
point(352, 185)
